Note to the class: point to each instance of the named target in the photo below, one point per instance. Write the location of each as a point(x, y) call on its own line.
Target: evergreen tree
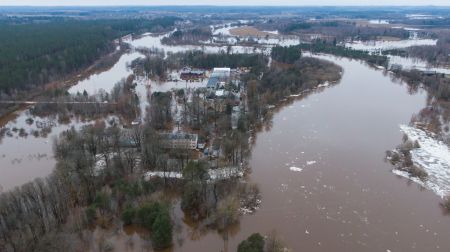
point(254, 243)
point(162, 231)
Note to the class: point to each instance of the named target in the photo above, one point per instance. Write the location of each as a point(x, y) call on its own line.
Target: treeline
point(121, 100)
point(307, 25)
point(320, 46)
point(189, 36)
point(437, 84)
point(438, 54)
point(286, 54)
point(34, 54)
point(339, 30)
point(200, 59)
point(279, 82)
point(152, 66)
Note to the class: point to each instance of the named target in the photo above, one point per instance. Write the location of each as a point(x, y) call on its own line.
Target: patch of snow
point(162, 174)
point(433, 156)
point(378, 21)
point(374, 46)
point(214, 174)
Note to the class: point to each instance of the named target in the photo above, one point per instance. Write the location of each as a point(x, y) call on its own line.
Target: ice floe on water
point(296, 169)
point(433, 156)
point(311, 162)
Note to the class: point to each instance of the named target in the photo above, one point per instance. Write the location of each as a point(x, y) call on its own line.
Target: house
point(213, 83)
point(221, 72)
point(218, 76)
point(188, 74)
point(221, 93)
point(179, 140)
point(201, 146)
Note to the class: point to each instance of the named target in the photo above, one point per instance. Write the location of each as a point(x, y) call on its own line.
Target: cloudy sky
point(225, 2)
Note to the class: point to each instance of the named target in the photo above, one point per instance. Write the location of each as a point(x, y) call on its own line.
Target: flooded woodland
point(319, 161)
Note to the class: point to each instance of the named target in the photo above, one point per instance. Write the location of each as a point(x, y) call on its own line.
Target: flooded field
point(418, 64)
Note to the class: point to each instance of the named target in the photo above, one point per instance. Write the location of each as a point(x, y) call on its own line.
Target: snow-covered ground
point(378, 21)
point(433, 156)
point(374, 46)
point(414, 63)
point(214, 174)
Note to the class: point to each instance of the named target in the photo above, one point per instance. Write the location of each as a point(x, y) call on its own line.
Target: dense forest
point(33, 54)
point(280, 81)
point(286, 54)
point(200, 59)
point(190, 36)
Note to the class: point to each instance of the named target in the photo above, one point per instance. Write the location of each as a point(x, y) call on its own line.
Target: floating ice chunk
point(296, 169)
point(311, 162)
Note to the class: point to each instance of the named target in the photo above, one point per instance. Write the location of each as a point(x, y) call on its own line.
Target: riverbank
point(44, 93)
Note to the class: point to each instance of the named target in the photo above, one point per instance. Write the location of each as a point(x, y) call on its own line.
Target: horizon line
point(220, 5)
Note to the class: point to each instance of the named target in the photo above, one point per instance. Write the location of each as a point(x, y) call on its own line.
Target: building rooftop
point(212, 82)
point(175, 136)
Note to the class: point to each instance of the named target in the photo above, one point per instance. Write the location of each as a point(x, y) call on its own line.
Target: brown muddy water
point(345, 198)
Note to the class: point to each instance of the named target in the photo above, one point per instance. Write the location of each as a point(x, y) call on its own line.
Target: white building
point(179, 140)
point(221, 72)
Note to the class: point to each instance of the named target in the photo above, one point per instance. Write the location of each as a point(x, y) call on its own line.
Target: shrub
point(148, 213)
point(102, 201)
point(91, 214)
point(254, 243)
point(128, 215)
point(162, 230)
point(418, 172)
point(446, 204)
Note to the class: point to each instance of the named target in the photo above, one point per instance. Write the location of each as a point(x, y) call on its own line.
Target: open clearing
point(249, 31)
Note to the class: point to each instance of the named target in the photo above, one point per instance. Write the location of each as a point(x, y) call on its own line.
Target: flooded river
point(320, 167)
point(345, 198)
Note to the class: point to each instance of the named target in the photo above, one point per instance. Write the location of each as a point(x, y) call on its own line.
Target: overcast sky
point(224, 2)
